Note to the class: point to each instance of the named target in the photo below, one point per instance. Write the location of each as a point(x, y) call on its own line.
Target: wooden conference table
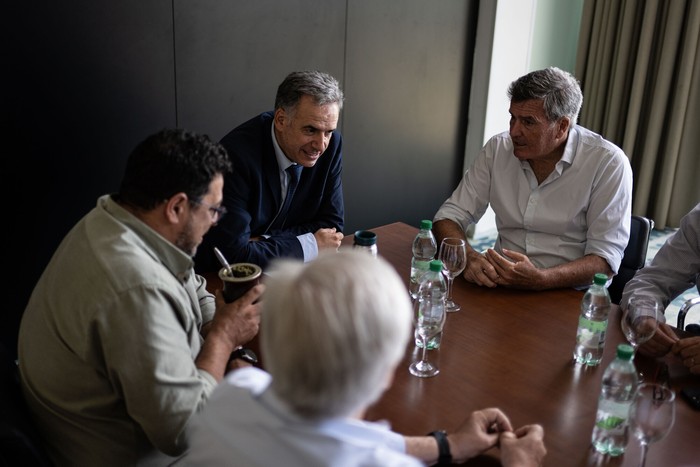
point(513, 350)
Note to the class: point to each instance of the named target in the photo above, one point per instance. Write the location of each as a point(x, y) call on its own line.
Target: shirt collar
point(282, 161)
point(570, 148)
point(161, 249)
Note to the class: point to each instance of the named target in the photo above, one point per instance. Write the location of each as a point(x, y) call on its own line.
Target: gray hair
point(559, 91)
point(333, 331)
point(322, 87)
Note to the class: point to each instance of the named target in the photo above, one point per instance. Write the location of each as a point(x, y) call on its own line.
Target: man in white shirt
point(561, 193)
point(333, 332)
point(674, 269)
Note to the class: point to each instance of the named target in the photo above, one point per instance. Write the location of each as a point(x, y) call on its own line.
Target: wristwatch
point(244, 354)
point(444, 454)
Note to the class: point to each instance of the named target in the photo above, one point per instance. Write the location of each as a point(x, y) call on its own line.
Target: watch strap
point(444, 454)
point(244, 354)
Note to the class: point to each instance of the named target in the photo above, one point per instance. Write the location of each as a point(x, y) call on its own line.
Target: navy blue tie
point(294, 172)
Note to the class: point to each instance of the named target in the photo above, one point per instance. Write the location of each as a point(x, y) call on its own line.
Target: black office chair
point(19, 440)
point(634, 257)
point(693, 328)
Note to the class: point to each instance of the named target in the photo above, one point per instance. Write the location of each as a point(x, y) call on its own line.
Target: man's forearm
point(576, 273)
point(447, 228)
point(214, 356)
point(424, 448)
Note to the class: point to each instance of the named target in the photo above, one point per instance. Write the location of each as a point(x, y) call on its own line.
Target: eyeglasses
point(217, 212)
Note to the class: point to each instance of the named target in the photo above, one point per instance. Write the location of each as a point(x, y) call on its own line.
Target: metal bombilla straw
point(222, 260)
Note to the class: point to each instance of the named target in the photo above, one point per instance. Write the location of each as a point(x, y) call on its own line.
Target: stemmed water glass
point(652, 414)
point(453, 253)
point(429, 321)
point(640, 320)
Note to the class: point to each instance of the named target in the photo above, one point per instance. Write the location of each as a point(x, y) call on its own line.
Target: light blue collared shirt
point(307, 240)
point(244, 420)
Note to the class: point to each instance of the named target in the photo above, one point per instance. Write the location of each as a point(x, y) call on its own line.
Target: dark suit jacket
point(252, 195)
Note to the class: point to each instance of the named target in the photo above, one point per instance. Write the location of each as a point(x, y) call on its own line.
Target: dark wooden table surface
point(513, 350)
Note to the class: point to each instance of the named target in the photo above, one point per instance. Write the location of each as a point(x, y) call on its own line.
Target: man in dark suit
point(293, 154)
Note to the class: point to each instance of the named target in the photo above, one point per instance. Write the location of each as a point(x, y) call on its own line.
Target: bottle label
point(418, 269)
point(609, 422)
point(612, 415)
point(591, 325)
point(611, 430)
point(590, 341)
point(420, 265)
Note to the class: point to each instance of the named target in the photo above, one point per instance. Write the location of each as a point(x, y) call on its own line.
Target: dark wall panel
point(231, 56)
point(404, 67)
point(89, 80)
point(408, 66)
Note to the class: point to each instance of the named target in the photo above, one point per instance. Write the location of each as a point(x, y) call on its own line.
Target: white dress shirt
point(583, 207)
point(674, 269)
point(245, 424)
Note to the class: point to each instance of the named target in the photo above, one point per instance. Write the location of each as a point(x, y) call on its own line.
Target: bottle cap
point(426, 224)
point(436, 265)
point(625, 351)
point(365, 238)
point(600, 278)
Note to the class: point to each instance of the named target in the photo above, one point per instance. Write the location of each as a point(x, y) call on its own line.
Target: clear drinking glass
point(453, 253)
point(652, 414)
point(429, 321)
point(640, 320)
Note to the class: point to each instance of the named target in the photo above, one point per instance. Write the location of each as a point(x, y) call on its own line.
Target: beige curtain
point(639, 67)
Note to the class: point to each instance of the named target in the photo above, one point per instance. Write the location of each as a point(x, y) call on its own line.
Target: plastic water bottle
point(365, 240)
point(432, 292)
point(593, 322)
point(620, 379)
point(424, 249)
